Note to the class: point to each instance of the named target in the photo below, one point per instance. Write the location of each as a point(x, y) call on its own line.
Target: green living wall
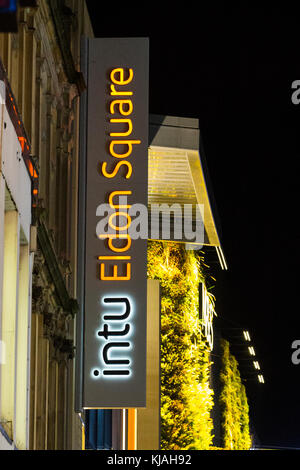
point(186, 397)
point(234, 403)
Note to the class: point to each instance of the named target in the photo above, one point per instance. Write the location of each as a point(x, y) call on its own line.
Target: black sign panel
point(111, 369)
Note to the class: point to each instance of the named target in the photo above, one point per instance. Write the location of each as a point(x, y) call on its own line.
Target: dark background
point(233, 68)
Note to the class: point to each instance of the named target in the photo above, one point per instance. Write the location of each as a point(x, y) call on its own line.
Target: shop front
point(17, 244)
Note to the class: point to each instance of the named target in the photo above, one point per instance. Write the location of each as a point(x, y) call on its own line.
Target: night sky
point(233, 68)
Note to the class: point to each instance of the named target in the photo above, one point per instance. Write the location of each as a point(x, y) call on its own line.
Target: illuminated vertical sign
point(112, 268)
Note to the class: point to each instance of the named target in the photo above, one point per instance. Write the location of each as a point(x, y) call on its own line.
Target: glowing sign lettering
point(116, 169)
point(121, 81)
point(108, 331)
point(112, 289)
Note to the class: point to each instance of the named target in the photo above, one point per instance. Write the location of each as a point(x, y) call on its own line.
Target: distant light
point(261, 379)
point(256, 365)
point(221, 258)
point(251, 350)
point(246, 335)
point(8, 6)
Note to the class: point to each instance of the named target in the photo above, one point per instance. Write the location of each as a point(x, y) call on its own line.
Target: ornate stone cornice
point(61, 18)
point(68, 304)
point(51, 300)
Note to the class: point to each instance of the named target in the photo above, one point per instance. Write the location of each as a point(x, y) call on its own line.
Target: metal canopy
point(177, 173)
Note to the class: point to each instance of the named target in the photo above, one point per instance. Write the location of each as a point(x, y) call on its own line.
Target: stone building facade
point(41, 63)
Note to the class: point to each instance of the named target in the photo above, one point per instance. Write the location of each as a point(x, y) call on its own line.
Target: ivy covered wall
point(234, 403)
point(187, 398)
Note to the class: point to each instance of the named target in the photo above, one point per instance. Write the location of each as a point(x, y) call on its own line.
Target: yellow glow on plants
point(186, 396)
point(234, 404)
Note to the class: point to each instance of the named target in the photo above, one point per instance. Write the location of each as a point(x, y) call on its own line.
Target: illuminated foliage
point(234, 404)
point(186, 397)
